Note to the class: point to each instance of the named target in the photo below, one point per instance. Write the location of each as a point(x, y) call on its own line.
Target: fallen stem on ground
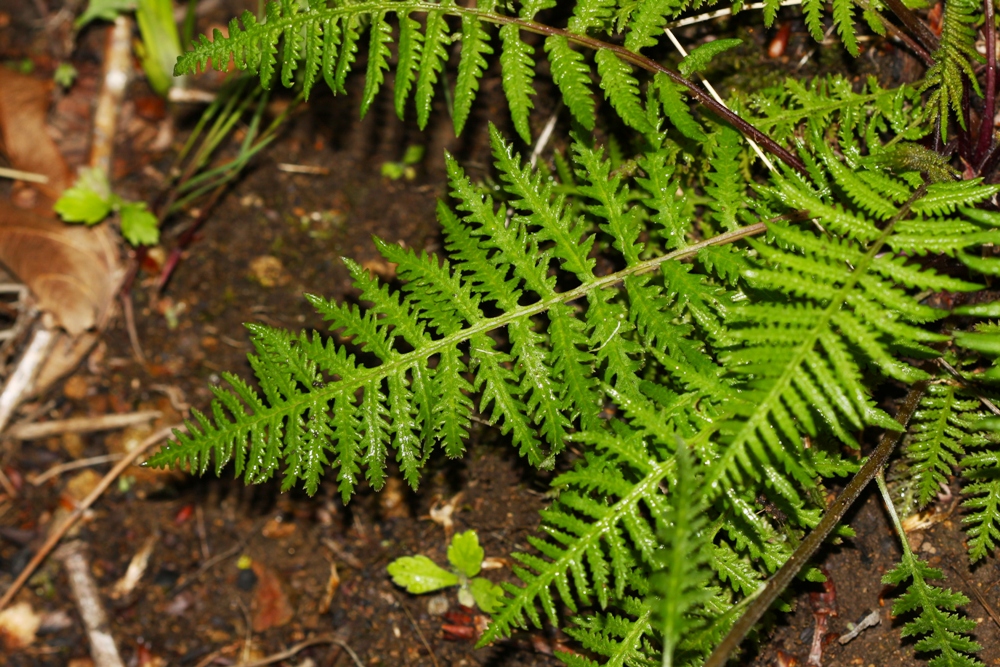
point(780, 581)
point(61, 530)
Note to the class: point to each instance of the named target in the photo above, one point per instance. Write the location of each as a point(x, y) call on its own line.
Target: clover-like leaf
point(139, 226)
point(486, 594)
point(465, 553)
point(88, 201)
point(419, 574)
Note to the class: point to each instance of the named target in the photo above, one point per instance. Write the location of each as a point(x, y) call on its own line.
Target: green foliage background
point(754, 317)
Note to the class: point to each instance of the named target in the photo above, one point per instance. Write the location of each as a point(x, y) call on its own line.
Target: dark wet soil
point(222, 553)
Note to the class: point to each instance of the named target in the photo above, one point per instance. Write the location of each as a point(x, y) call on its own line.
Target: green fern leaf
point(378, 56)
point(621, 89)
point(647, 22)
point(572, 77)
point(677, 110)
point(348, 52)
point(699, 58)
point(939, 628)
point(843, 18)
point(411, 42)
point(680, 587)
point(432, 58)
point(475, 46)
point(954, 61)
point(517, 68)
point(588, 14)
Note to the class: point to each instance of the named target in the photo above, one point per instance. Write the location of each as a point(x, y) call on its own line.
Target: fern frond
point(475, 48)
point(621, 89)
point(935, 445)
point(954, 61)
point(572, 76)
point(432, 58)
point(680, 587)
point(939, 628)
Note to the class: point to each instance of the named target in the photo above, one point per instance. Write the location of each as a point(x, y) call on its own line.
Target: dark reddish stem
point(639, 60)
point(913, 23)
point(989, 104)
point(174, 258)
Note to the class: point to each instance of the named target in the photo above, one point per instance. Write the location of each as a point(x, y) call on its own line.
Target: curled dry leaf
point(73, 271)
point(24, 103)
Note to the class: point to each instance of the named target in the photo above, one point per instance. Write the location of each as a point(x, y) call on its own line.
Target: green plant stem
point(872, 468)
point(891, 509)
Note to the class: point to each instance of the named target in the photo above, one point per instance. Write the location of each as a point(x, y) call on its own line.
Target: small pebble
point(437, 605)
point(246, 580)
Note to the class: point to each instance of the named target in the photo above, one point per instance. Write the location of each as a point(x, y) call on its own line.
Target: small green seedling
point(404, 168)
point(419, 574)
point(90, 201)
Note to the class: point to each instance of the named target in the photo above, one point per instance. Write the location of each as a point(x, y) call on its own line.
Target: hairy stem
point(872, 468)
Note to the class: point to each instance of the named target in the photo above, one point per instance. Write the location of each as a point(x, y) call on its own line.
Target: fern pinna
point(741, 342)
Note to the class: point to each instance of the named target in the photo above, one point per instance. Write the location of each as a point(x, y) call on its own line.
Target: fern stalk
point(780, 581)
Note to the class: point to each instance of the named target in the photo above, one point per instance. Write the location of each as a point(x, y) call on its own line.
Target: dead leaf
point(73, 271)
point(24, 103)
point(271, 607)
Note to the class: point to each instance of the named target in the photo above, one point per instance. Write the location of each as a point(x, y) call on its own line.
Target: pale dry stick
point(711, 91)
point(36, 430)
point(103, 649)
point(303, 169)
point(708, 16)
point(191, 95)
point(958, 376)
point(21, 381)
point(58, 532)
point(869, 621)
point(18, 175)
point(543, 138)
point(285, 655)
point(117, 72)
point(56, 470)
point(7, 485)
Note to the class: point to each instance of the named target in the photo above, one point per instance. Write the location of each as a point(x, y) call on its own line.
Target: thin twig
point(36, 430)
point(719, 13)
point(416, 629)
point(22, 380)
point(958, 376)
point(58, 532)
point(322, 639)
point(7, 485)
point(103, 649)
point(979, 596)
point(17, 174)
point(56, 470)
point(711, 90)
point(780, 581)
point(913, 23)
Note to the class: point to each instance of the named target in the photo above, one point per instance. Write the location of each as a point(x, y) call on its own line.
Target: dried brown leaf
point(24, 103)
point(73, 271)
